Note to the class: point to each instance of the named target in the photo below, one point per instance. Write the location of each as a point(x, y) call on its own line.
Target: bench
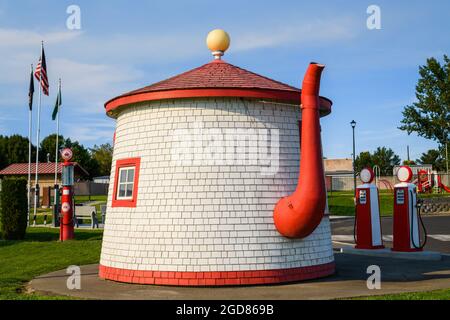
point(86, 212)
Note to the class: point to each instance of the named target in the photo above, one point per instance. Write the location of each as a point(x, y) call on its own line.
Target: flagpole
point(56, 187)
point(36, 190)
point(57, 140)
point(30, 123)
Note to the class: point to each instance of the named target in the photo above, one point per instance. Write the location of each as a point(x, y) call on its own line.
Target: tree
point(48, 146)
point(429, 117)
point(383, 157)
point(364, 160)
point(14, 149)
point(386, 159)
point(83, 157)
point(103, 155)
point(13, 204)
point(409, 163)
point(433, 157)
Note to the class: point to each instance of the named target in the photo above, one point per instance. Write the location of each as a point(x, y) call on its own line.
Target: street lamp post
point(353, 124)
point(445, 147)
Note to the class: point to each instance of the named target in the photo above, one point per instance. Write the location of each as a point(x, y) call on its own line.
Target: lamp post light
point(445, 149)
point(353, 124)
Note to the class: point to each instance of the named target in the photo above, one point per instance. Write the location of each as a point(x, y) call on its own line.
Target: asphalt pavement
point(437, 226)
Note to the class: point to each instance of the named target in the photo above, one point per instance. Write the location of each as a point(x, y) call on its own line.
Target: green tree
point(429, 117)
point(103, 155)
point(383, 157)
point(386, 159)
point(363, 160)
point(433, 157)
point(13, 204)
point(409, 163)
point(48, 146)
point(14, 149)
point(83, 157)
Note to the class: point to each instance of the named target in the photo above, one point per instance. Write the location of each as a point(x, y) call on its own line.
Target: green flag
point(57, 105)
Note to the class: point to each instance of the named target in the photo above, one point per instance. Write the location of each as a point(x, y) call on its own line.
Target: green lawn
point(40, 253)
point(81, 199)
point(341, 203)
point(431, 295)
point(78, 200)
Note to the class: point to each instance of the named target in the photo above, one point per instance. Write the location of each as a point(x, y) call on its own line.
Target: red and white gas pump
point(368, 223)
point(406, 215)
point(66, 215)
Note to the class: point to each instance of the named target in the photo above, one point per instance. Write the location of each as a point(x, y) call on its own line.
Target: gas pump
point(66, 215)
point(407, 214)
point(368, 223)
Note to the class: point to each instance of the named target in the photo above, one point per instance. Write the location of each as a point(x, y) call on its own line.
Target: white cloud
point(91, 132)
point(91, 84)
point(12, 38)
point(95, 68)
point(307, 34)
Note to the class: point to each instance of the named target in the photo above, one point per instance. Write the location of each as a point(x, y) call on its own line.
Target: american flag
point(41, 73)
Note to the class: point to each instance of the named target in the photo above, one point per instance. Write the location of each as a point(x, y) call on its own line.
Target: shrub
point(13, 204)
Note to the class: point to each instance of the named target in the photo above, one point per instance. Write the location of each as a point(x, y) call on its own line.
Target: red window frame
point(125, 163)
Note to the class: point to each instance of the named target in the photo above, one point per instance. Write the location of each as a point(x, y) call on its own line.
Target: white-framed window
point(125, 183)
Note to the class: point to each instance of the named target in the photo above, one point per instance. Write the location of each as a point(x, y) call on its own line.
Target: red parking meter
point(368, 224)
point(66, 214)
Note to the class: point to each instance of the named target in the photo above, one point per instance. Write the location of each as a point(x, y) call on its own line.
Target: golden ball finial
point(218, 42)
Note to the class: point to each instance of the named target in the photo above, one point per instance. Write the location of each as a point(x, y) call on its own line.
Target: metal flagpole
point(36, 191)
point(57, 136)
point(30, 123)
point(56, 186)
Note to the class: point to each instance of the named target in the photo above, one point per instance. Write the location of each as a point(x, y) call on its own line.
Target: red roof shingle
point(217, 74)
point(214, 79)
point(44, 168)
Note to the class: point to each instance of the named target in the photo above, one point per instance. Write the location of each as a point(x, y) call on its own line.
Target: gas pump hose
point(421, 222)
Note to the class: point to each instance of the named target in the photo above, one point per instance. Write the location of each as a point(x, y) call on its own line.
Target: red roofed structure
point(18, 169)
point(46, 173)
point(200, 162)
point(215, 79)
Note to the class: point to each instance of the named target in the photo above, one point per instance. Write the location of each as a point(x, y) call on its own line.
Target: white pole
point(57, 138)
point(30, 123)
point(36, 191)
point(446, 150)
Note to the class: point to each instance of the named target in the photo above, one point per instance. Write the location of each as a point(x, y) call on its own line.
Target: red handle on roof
point(298, 215)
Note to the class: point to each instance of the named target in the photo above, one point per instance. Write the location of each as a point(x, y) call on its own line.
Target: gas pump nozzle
point(419, 203)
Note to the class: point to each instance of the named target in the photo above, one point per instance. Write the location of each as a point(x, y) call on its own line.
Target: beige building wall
point(334, 165)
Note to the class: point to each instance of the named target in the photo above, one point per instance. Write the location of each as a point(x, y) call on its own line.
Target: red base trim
point(229, 278)
point(277, 95)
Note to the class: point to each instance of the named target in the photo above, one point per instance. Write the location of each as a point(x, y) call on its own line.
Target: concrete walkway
point(397, 275)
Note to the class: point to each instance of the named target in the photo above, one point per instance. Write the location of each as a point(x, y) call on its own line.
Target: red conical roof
point(215, 79)
point(217, 74)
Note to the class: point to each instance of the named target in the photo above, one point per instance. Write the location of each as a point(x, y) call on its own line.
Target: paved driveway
point(350, 280)
point(438, 228)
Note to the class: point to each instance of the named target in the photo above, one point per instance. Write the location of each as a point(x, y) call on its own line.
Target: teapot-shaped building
point(205, 187)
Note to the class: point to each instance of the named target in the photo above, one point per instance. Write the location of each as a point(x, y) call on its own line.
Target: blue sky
point(123, 45)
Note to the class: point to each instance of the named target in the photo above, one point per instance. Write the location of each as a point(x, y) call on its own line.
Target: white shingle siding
point(206, 218)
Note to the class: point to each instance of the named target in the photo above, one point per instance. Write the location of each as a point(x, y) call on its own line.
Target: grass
point(78, 200)
point(341, 203)
point(430, 295)
point(41, 253)
point(81, 199)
